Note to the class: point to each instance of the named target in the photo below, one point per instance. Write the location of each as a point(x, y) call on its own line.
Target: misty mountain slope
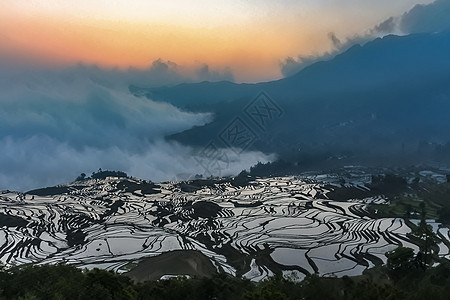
point(380, 63)
point(196, 95)
point(383, 97)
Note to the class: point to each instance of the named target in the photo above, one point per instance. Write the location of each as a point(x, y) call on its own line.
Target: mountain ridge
point(391, 94)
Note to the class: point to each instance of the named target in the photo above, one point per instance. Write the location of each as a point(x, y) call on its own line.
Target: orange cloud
point(251, 52)
point(250, 37)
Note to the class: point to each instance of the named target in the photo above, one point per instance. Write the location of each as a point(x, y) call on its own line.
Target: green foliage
point(400, 260)
point(41, 282)
point(67, 282)
point(102, 285)
point(81, 177)
point(276, 168)
point(100, 174)
point(388, 180)
point(444, 215)
point(415, 200)
point(439, 195)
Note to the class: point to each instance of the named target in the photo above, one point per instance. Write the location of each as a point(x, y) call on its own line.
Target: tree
point(104, 174)
point(426, 234)
point(428, 239)
point(444, 215)
point(81, 177)
point(400, 260)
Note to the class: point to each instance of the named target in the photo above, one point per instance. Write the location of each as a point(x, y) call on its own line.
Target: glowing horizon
point(248, 37)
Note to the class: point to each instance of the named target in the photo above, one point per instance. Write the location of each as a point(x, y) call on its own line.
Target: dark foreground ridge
point(67, 282)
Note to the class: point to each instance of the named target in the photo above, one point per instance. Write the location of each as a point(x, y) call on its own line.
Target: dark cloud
point(205, 72)
point(388, 26)
point(160, 73)
point(290, 66)
point(337, 44)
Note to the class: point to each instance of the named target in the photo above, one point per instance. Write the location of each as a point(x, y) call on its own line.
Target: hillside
point(315, 223)
point(389, 97)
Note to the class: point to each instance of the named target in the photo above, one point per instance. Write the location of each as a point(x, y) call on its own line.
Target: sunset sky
point(249, 37)
point(66, 67)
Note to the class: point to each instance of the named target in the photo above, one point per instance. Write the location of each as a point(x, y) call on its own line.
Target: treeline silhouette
point(399, 279)
point(100, 174)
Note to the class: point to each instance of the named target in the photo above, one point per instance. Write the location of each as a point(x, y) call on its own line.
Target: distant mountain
point(196, 95)
point(391, 95)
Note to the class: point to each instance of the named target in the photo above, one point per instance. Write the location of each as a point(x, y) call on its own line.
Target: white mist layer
point(56, 125)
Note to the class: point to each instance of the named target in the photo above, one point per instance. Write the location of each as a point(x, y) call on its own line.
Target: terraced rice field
point(271, 225)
